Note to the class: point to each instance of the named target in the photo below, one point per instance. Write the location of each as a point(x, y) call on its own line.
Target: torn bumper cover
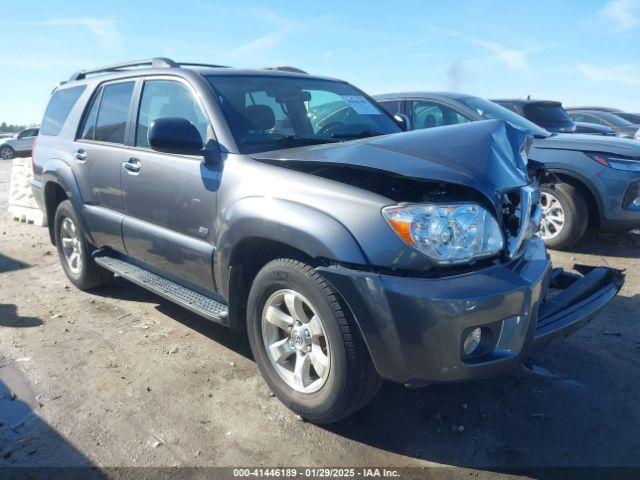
point(415, 327)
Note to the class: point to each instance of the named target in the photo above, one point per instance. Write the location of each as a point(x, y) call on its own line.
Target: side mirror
point(402, 120)
point(174, 135)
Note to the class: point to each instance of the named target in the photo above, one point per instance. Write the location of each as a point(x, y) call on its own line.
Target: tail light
point(33, 154)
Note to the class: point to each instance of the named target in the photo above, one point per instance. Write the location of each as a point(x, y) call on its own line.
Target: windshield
point(492, 111)
point(614, 119)
point(273, 112)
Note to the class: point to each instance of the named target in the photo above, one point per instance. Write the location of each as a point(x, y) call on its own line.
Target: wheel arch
point(59, 184)
point(586, 188)
point(258, 230)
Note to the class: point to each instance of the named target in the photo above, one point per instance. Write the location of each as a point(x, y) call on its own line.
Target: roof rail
point(286, 68)
point(157, 62)
point(192, 64)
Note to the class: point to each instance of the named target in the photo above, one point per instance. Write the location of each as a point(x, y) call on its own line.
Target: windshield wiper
point(298, 138)
point(360, 134)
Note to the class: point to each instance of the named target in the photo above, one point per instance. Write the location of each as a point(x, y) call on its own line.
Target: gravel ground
point(122, 377)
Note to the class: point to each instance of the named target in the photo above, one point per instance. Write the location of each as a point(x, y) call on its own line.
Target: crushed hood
point(590, 143)
point(485, 156)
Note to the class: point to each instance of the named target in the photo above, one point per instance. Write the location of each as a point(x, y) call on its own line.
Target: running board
point(185, 297)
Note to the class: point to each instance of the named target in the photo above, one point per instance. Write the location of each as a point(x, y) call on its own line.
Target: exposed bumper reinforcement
point(577, 300)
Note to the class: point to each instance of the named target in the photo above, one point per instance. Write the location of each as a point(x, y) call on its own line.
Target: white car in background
point(21, 144)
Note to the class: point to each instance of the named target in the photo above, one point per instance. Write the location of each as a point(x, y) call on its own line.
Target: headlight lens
point(618, 163)
point(448, 234)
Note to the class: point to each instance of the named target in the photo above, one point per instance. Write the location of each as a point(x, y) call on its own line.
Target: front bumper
point(414, 327)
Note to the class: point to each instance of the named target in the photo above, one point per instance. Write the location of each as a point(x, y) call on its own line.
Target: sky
point(581, 52)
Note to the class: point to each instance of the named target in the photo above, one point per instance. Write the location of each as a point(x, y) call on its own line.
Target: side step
point(197, 303)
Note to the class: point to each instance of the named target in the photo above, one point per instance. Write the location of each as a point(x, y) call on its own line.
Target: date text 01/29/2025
point(316, 472)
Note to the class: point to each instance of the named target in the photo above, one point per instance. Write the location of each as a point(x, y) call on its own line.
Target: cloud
point(282, 28)
point(512, 58)
point(328, 54)
point(624, 15)
point(628, 74)
point(105, 30)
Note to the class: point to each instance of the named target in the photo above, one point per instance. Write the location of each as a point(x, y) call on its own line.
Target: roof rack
point(157, 62)
point(286, 68)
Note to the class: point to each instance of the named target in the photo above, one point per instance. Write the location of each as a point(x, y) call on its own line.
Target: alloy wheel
point(553, 218)
point(6, 153)
point(71, 245)
point(296, 341)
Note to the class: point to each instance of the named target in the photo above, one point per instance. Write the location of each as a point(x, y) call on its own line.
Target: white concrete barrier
point(22, 205)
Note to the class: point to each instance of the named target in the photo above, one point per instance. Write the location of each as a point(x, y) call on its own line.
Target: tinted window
point(58, 109)
point(391, 106)
point(492, 111)
point(274, 112)
point(163, 98)
point(113, 112)
point(430, 114)
point(542, 113)
point(88, 128)
point(631, 117)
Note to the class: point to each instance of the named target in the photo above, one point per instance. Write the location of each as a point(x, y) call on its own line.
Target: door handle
point(132, 165)
point(80, 154)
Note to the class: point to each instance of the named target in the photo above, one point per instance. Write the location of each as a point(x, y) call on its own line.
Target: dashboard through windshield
point(272, 112)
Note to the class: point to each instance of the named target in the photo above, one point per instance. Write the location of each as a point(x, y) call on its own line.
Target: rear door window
point(89, 126)
point(58, 109)
point(431, 114)
point(113, 112)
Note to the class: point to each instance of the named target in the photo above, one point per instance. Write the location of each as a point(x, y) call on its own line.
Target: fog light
point(472, 341)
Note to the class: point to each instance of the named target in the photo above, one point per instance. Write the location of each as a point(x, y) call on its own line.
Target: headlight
point(455, 233)
point(613, 161)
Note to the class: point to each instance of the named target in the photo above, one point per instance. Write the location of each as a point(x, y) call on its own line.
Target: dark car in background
point(631, 117)
point(594, 129)
point(598, 109)
point(593, 180)
point(546, 113)
point(623, 128)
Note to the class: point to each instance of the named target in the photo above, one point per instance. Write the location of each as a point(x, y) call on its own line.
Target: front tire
point(74, 250)
point(565, 216)
point(7, 153)
point(306, 344)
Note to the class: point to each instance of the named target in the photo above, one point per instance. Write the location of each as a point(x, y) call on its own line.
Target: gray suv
point(295, 210)
point(21, 144)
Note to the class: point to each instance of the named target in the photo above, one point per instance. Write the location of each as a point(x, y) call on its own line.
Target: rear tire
point(7, 153)
point(565, 215)
point(75, 252)
point(350, 380)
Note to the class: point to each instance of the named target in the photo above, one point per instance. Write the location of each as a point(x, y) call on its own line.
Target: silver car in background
point(21, 144)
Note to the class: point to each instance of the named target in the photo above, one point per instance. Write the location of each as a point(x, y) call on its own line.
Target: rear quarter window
point(58, 109)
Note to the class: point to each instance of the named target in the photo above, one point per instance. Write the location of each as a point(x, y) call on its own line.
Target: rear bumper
point(414, 328)
point(36, 188)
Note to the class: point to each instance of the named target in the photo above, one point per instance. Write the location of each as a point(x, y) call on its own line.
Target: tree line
point(4, 128)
